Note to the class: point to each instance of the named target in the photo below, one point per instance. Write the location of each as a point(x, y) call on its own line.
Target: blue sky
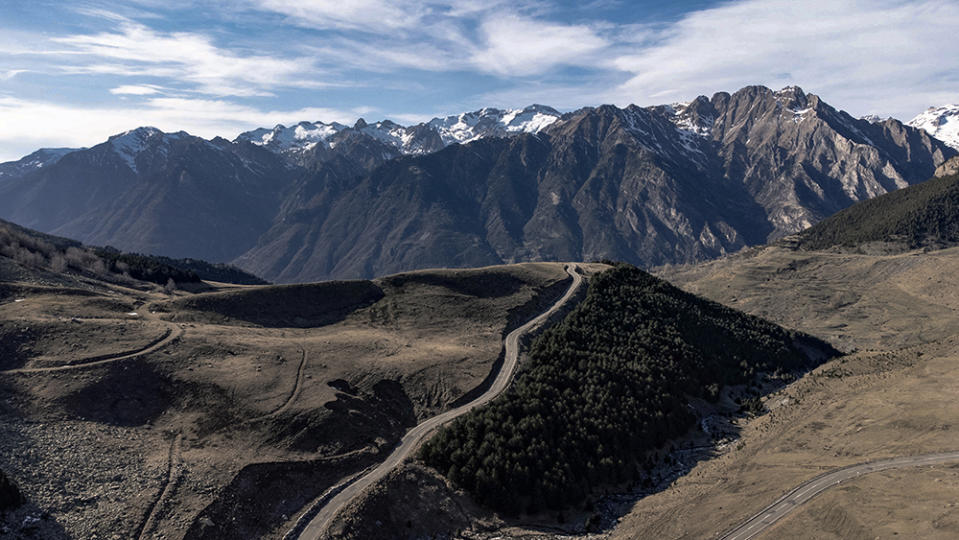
point(74, 72)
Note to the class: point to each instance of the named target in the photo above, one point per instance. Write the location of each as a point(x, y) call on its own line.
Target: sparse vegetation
point(604, 388)
point(145, 267)
point(60, 255)
point(752, 406)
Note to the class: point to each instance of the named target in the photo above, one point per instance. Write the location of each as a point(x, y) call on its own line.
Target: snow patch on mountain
point(416, 139)
point(130, 143)
point(940, 122)
point(43, 157)
point(490, 122)
point(392, 134)
point(298, 138)
point(874, 118)
point(688, 120)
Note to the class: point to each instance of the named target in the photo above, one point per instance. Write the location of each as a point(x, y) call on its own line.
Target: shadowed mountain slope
point(645, 185)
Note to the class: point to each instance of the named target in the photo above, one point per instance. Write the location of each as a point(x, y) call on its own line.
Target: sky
point(74, 72)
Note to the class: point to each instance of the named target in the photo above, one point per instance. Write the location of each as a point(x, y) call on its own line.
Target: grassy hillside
point(278, 392)
point(606, 386)
point(893, 395)
point(295, 306)
point(926, 214)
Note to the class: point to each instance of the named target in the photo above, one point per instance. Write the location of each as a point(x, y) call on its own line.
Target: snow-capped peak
point(940, 122)
point(415, 139)
point(688, 118)
point(299, 137)
point(130, 143)
point(490, 122)
point(874, 119)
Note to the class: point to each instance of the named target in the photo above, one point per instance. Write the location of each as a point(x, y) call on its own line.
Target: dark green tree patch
point(605, 387)
point(926, 214)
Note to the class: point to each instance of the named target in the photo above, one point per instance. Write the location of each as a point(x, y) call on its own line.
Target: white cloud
point(10, 73)
point(889, 57)
point(368, 15)
point(375, 16)
point(411, 119)
point(26, 125)
point(495, 36)
point(517, 45)
point(137, 50)
point(135, 90)
point(864, 56)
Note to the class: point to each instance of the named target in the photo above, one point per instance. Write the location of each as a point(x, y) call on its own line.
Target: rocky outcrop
point(949, 168)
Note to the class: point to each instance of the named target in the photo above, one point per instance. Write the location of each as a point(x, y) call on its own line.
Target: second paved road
point(809, 489)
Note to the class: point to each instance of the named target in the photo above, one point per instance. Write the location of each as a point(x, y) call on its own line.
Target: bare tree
point(58, 263)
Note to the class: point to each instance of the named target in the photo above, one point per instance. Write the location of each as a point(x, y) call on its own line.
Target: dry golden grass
point(229, 388)
point(894, 397)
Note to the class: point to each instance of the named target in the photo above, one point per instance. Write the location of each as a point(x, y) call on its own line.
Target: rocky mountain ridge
point(418, 139)
point(651, 186)
point(647, 185)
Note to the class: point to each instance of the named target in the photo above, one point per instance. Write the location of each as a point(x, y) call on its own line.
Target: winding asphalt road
point(318, 526)
point(776, 511)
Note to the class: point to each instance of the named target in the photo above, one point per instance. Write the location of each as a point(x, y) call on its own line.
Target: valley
point(243, 409)
point(890, 397)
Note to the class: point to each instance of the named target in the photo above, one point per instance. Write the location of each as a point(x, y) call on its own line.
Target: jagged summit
point(297, 138)
point(940, 122)
point(130, 144)
point(416, 139)
point(490, 122)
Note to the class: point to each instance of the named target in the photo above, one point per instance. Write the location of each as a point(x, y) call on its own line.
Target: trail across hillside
point(349, 489)
point(174, 468)
point(170, 335)
point(765, 519)
point(297, 386)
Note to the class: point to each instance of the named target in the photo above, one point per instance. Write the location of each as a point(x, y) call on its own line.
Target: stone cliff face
point(803, 160)
point(648, 185)
point(949, 168)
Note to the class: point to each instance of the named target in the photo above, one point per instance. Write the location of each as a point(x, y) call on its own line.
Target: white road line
point(819, 484)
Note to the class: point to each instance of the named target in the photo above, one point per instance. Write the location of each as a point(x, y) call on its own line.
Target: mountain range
point(647, 185)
